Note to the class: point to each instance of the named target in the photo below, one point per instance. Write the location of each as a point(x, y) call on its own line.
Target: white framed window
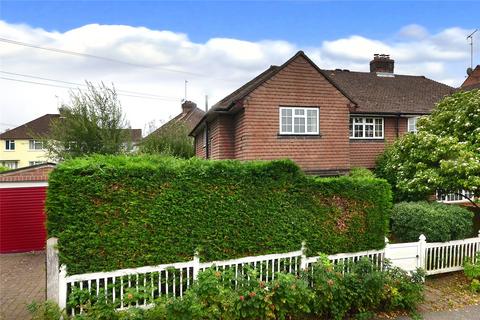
point(11, 164)
point(455, 197)
point(412, 124)
point(299, 120)
point(10, 145)
point(35, 145)
point(33, 163)
point(366, 128)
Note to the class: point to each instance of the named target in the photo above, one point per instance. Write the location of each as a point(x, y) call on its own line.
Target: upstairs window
point(412, 124)
point(9, 144)
point(366, 128)
point(35, 145)
point(298, 120)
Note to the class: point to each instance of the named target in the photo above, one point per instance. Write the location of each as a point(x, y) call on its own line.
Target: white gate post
point(62, 288)
point(196, 265)
point(303, 257)
point(53, 269)
point(422, 252)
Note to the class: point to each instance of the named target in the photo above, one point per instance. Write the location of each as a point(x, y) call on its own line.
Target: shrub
point(118, 212)
point(438, 222)
point(47, 310)
point(472, 272)
point(361, 173)
point(363, 290)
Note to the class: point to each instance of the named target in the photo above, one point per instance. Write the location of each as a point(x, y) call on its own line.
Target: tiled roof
point(190, 119)
point(40, 127)
point(390, 93)
point(36, 128)
point(472, 81)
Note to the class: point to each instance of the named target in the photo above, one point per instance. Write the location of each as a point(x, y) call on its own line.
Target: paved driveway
point(22, 280)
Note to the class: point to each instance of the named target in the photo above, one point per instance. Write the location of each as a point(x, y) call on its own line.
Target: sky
point(148, 49)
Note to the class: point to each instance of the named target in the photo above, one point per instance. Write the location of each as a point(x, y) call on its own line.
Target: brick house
point(473, 79)
point(327, 121)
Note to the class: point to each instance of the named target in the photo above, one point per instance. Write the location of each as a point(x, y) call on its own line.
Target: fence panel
point(140, 286)
point(441, 257)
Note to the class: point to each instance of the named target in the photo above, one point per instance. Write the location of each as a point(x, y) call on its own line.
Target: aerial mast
point(470, 36)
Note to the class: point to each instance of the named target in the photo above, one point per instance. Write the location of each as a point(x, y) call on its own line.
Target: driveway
point(22, 280)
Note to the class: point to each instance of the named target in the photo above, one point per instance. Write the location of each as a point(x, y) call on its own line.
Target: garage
point(22, 208)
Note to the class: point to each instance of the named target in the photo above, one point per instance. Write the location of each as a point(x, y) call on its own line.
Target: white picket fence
point(174, 279)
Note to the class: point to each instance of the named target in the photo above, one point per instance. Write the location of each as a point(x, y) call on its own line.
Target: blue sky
point(225, 43)
point(305, 23)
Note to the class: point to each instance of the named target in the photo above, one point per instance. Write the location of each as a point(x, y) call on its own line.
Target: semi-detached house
point(327, 121)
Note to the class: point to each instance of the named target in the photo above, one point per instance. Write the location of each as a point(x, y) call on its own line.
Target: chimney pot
point(382, 63)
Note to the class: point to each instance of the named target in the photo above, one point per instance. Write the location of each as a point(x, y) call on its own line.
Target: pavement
point(466, 313)
point(22, 281)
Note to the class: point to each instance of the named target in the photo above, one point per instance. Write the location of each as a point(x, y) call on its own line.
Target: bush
point(119, 212)
point(363, 290)
point(437, 221)
point(361, 173)
point(472, 272)
point(47, 310)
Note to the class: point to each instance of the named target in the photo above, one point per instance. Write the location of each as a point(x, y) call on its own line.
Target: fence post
point(53, 269)
point(422, 252)
point(62, 288)
point(196, 265)
point(303, 257)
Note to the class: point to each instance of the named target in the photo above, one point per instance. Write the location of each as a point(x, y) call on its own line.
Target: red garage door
point(22, 219)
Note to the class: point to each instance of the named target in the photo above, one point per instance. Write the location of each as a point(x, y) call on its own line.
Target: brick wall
point(199, 143)
point(363, 153)
point(298, 84)
point(35, 173)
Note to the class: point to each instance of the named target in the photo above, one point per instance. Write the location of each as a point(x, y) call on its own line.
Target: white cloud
point(215, 67)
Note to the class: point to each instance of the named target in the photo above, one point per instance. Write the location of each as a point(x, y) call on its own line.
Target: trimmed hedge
point(437, 221)
point(112, 212)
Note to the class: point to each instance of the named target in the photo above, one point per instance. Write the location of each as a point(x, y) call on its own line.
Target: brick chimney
point(188, 106)
point(381, 63)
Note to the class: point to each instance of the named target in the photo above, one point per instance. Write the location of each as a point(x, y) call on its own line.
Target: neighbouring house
point(327, 121)
point(189, 116)
point(22, 214)
point(22, 146)
point(473, 79)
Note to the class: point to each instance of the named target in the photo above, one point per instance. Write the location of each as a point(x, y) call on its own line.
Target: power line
point(79, 84)
point(65, 87)
point(87, 55)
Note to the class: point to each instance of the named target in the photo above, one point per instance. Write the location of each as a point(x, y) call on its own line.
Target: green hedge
point(117, 212)
point(437, 221)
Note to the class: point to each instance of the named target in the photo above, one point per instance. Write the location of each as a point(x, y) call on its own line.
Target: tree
point(171, 139)
point(92, 122)
point(443, 156)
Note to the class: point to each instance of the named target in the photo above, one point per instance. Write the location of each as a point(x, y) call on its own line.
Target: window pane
point(358, 120)
point(299, 112)
point(299, 125)
point(378, 128)
point(286, 124)
point(358, 131)
point(312, 121)
point(369, 130)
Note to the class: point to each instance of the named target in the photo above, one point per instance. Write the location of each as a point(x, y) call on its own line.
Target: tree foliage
point(171, 139)
point(444, 155)
point(91, 122)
